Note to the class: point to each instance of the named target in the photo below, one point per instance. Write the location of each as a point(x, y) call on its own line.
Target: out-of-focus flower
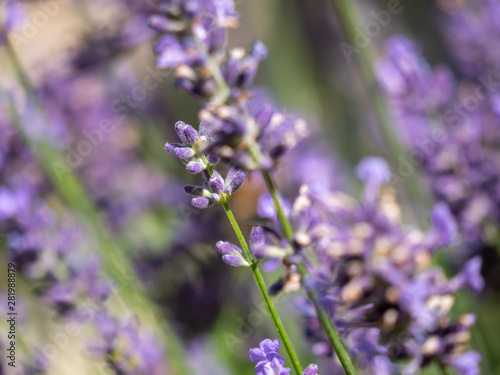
point(456, 145)
point(11, 16)
point(472, 32)
point(374, 276)
point(127, 349)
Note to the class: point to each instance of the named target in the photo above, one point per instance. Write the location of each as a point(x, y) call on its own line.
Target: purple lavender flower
point(472, 33)
point(456, 146)
point(127, 349)
point(269, 362)
point(374, 276)
point(240, 129)
point(415, 90)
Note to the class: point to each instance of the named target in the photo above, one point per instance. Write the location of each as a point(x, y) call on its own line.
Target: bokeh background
point(124, 201)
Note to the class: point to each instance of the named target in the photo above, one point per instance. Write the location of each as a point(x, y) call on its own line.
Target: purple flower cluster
point(270, 362)
point(107, 157)
point(46, 246)
point(455, 136)
point(374, 276)
point(238, 127)
point(416, 90)
point(471, 30)
point(127, 349)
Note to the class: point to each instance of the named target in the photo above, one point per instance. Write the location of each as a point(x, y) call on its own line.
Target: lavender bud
point(195, 167)
point(160, 23)
point(186, 133)
point(213, 158)
point(184, 153)
point(206, 175)
point(235, 261)
point(234, 179)
point(312, 369)
point(200, 202)
point(194, 190)
point(259, 50)
point(216, 183)
point(231, 254)
point(227, 248)
point(466, 363)
point(257, 236)
point(373, 171)
point(471, 274)
point(171, 147)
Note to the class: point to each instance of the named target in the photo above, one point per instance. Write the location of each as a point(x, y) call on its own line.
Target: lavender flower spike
point(270, 362)
point(244, 130)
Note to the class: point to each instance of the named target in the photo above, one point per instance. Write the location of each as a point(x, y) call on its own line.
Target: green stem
point(260, 282)
point(323, 316)
point(263, 290)
point(443, 370)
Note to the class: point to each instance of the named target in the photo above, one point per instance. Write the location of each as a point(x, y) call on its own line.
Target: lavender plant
point(455, 146)
point(375, 276)
point(43, 238)
point(372, 275)
point(370, 281)
point(47, 249)
point(232, 130)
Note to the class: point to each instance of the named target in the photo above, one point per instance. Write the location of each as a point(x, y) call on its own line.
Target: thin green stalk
point(442, 369)
point(323, 316)
point(260, 281)
point(263, 291)
point(115, 263)
point(350, 16)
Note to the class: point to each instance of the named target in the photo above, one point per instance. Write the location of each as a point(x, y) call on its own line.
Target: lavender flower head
point(416, 91)
point(374, 276)
point(270, 362)
point(240, 129)
point(455, 138)
point(471, 30)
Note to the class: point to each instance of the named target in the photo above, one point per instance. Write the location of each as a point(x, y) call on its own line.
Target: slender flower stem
point(263, 291)
point(323, 316)
point(260, 282)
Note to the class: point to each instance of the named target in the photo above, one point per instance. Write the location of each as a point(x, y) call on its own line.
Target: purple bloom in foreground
point(269, 362)
point(373, 274)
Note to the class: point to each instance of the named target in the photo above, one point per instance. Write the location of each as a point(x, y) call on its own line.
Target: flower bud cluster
point(241, 129)
point(374, 276)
